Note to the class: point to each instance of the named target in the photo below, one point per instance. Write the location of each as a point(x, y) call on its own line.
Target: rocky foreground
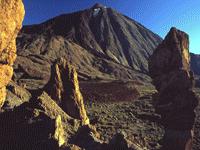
point(136, 119)
point(119, 115)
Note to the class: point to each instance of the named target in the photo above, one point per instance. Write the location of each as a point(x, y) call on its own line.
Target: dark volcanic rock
point(88, 138)
point(118, 141)
point(195, 66)
point(32, 72)
point(169, 68)
point(20, 130)
point(64, 88)
point(116, 91)
point(195, 63)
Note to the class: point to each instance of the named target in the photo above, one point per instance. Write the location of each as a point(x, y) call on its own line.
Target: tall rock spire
point(64, 88)
point(169, 68)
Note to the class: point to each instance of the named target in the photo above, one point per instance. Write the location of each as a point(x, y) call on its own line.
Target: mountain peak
point(98, 5)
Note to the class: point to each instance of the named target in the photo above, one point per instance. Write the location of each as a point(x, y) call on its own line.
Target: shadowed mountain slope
point(100, 42)
point(195, 63)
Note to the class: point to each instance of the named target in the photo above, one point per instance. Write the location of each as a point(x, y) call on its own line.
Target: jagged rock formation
point(101, 44)
point(169, 67)
point(66, 126)
point(40, 124)
point(59, 131)
point(16, 96)
point(11, 16)
point(52, 110)
point(64, 88)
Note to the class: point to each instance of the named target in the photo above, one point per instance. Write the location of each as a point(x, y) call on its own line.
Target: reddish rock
point(11, 16)
point(169, 68)
point(171, 59)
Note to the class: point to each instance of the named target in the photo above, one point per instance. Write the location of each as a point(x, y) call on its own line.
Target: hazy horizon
point(155, 15)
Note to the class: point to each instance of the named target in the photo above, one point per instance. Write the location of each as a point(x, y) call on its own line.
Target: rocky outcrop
point(40, 124)
point(169, 68)
point(11, 16)
point(119, 141)
point(63, 87)
point(16, 96)
point(52, 110)
point(59, 131)
point(88, 138)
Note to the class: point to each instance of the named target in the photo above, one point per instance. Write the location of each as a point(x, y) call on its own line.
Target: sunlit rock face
point(11, 17)
point(169, 68)
point(171, 57)
point(64, 88)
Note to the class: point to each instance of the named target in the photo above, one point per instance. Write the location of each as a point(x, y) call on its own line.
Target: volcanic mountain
point(100, 42)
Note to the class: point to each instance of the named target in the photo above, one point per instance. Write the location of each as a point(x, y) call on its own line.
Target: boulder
point(11, 16)
point(51, 109)
point(169, 67)
point(88, 138)
point(119, 141)
point(63, 87)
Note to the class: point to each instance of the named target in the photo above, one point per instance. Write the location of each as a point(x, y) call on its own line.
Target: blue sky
point(157, 15)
